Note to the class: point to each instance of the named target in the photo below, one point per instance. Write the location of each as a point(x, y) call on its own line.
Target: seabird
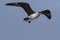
point(31, 14)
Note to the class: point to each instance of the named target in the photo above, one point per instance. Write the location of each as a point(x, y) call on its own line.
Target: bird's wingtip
point(7, 4)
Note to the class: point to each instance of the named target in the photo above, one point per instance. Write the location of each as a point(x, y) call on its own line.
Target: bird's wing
point(24, 5)
point(47, 13)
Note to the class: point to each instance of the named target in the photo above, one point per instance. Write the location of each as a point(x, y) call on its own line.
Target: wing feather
point(24, 5)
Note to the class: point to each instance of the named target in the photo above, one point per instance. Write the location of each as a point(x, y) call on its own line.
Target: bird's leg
point(29, 21)
point(26, 19)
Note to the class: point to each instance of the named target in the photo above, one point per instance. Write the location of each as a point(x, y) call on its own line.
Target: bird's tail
point(47, 13)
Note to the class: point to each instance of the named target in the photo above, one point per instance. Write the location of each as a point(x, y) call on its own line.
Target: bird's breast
point(34, 15)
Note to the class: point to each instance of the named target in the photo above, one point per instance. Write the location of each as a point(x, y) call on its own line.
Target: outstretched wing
point(47, 13)
point(24, 5)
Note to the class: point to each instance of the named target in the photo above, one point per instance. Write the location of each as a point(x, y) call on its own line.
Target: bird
point(31, 14)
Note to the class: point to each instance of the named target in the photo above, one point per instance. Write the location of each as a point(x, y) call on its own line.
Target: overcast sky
point(12, 26)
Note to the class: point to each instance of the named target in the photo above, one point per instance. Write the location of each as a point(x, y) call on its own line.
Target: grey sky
point(12, 26)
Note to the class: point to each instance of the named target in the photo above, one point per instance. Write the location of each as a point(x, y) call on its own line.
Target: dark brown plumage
point(25, 6)
point(31, 14)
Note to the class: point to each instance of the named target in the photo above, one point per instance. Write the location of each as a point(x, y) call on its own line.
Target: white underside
point(34, 16)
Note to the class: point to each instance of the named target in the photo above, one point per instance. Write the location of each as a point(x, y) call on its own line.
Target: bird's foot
point(29, 21)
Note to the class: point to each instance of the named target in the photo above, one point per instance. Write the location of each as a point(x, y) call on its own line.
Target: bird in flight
point(31, 14)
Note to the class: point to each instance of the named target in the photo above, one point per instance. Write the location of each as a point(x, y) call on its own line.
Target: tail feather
point(47, 13)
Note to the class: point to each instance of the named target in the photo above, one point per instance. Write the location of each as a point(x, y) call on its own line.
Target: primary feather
point(24, 5)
